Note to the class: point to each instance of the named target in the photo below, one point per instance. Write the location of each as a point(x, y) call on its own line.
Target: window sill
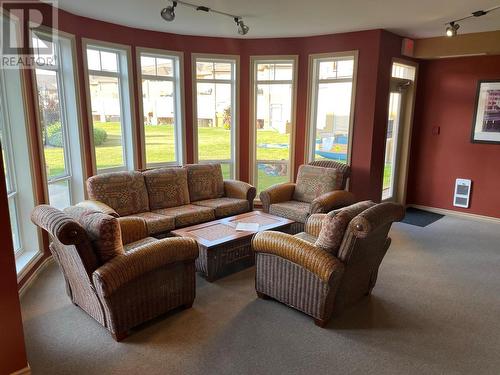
point(24, 260)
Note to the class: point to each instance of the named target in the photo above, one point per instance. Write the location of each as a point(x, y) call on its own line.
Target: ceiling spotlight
point(242, 28)
point(168, 13)
point(451, 29)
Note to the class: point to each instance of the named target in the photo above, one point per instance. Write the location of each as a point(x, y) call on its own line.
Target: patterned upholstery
point(188, 214)
point(343, 169)
point(103, 231)
point(314, 181)
point(125, 192)
point(167, 187)
point(156, 223)
point(293, 210)
point(205, 181)
point(335, 224)
point(225, 206)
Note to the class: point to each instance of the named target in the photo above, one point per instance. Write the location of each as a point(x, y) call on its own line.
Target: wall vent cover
point(461, 197)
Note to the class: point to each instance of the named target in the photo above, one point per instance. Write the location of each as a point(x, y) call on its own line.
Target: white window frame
point(235, 111)
point(314, 81)
point(179, 116)
point(69, 103)
point(254, 61)
point(127, 115)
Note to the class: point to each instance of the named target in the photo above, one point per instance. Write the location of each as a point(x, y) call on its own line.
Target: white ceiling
point(285, 18)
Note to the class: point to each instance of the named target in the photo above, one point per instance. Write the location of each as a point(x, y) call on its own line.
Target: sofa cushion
point(205, 181)
point(225, 206)
point(167, 187)
point(293, 210)
point(125, 192)
point(156, 223)
point(306, 237)
point(314, 181)
point(102, 230)
point(188, 214)
point(335, 224)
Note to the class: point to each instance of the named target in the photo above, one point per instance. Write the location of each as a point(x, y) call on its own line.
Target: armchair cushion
point(124, 192)
point(136, 262)
point(188, 214)
point(314, 181)
point(306, 237)
point(167, 187)
point(205, 181)
point(293, 210)
point(335, 224)
point(156, 223)
point(225, 206)
point(298, 251)
point(103, 230)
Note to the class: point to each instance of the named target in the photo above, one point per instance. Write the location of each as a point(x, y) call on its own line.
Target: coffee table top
point(221, 231)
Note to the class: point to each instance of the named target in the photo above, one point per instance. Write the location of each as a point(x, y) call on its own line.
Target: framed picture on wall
point(486, 121)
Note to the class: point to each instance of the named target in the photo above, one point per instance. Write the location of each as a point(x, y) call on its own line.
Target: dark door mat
point(420, 218)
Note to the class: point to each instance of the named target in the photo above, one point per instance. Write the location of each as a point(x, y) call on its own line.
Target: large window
point(273, 120)
point(161, 108)
point(216, 112)
point(110, 107)
point(59, 123)
point(331, 106)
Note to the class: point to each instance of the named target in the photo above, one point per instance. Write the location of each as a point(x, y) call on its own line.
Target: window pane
point(93, 59)
point(214, 121)
point(265, 72)
point(223, 71)
point(5, 156)
point(159, 120)
point(226, 170)
point(204, 70)
point(59, 195)
point(109, 61)
point(333, 108)
point(148, 65)
point(14, 225)
point(106, 116)
point(44, 49)
point(345, 68)
point(274, 109)
point(403, 71)
point(165, 67)
point(53, 135)
point(269, 174)
point(283, 71)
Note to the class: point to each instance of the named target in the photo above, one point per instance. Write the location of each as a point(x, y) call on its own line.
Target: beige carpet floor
point(434, 310)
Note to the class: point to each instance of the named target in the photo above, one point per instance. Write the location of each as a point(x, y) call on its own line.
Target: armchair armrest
point(276, 194)
point(98, 206)
point(240, 190)
point(331, 201)
point(300, 252)
point(133, 229)
point(314, 223)
point(125, 268)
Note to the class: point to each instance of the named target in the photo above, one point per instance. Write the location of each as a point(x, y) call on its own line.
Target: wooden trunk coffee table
point(223, 249)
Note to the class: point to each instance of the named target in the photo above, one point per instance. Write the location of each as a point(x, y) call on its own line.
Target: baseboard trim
point(467, 215)
point(23, 371)
point(35, 275)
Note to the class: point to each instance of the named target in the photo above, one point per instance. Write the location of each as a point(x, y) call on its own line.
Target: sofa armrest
point(314, 224)
point(133, 229)
point(298, 251)
point(276, 194)
point(98, 206)
point(240, 190)
point(331, 201)
point(133, 264)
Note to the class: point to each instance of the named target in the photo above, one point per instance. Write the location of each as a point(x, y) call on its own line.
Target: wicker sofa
point(293, 270)
point(320, 188)
point(169, 198)
point(114, 271)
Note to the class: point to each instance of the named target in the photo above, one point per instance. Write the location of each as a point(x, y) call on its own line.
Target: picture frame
point(486, 120)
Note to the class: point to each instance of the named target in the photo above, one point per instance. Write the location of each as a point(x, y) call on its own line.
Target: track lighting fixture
point(453, 26)
point(168, 14)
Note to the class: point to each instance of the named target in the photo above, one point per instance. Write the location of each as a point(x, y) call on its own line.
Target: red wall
point(445, 98)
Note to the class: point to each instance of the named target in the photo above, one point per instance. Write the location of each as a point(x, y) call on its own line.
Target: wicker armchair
point(320, 188)
point(148, 278)
point(292, 270)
